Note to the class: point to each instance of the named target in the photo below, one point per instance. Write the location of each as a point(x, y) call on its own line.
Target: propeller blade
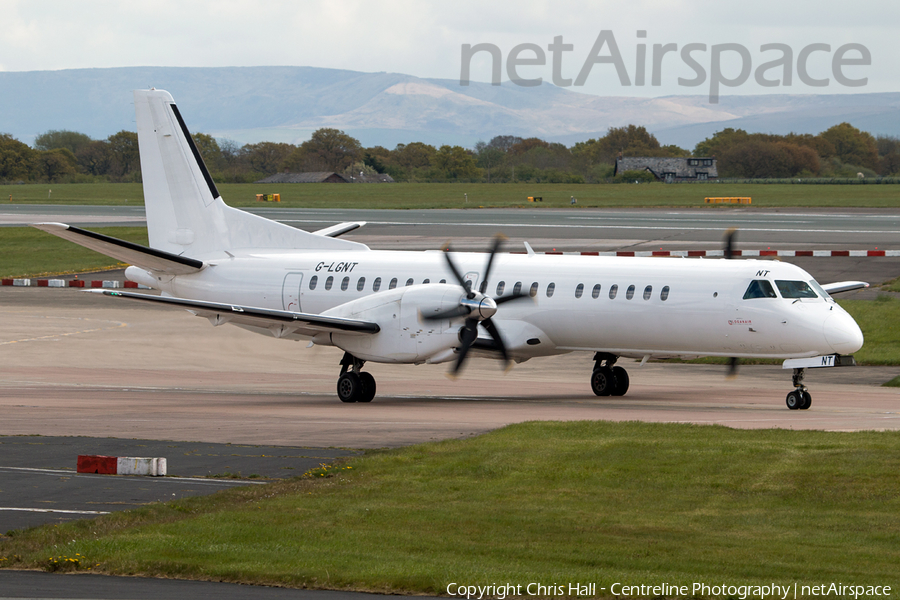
point(498, 339)
point(730, 236)
point(450, 313)
point(510, 298)
point(498, 241)
point(469, 293)
point(467, 335)
point(732, 367)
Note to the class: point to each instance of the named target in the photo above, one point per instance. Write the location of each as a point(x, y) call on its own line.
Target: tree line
point(841, 151)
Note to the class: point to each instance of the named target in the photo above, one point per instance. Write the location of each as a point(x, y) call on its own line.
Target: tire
point(794, 400)
point(603, 381)
point(807, 401)
point(349, 387)
point(621, 377)
point(368, 387)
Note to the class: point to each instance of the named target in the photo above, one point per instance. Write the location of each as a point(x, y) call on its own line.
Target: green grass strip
point(453, 195)
point(536, 502)
point(29, 252)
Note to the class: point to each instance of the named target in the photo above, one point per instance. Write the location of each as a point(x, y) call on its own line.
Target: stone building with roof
point(670, 170)
point(326, 177)
point(312, 177)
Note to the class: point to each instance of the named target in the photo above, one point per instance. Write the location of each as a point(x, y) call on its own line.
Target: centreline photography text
point(786, 591)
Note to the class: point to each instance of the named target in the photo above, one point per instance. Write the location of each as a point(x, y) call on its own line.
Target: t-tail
point(187, 221)
point(185, 212)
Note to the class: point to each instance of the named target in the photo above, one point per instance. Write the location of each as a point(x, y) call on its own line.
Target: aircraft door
point(472, 280)
point(290, 292)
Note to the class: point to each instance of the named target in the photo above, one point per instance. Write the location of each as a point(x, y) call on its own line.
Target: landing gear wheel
point(794, 400)
point(349, 387)
point(368, 387)
point(603, 381)
point(621, 377)
point(807, 400)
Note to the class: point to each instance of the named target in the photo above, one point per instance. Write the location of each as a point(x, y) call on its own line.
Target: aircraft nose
point(842, 333)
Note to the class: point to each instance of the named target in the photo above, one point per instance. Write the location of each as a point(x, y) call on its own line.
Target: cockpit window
point(760, 288)
point(795, 289)
point(820, 290)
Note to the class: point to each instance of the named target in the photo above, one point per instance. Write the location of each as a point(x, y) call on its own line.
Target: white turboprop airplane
point(231, 266)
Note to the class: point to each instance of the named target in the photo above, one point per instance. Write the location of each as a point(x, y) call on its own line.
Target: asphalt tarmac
point(38, 482)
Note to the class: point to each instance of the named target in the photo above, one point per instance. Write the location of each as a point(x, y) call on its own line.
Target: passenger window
point(613, 290)
point(329, 282)
point(517, 289)
point(376, 285)
point(534, 289)
point(664, 294)
point(648, 291)
point(426, 281)
point(392, 284)
point(345, 283)
point(443, 281)
point(409, 282)
point(360, 284)
point(313, 281)
point(483, 286)
point(760, 288)
point(579, 290)
point(629, 293)
point(550, 289)
point(468, 285)
point(500, 287)
point(595, 293)
point(795, 289)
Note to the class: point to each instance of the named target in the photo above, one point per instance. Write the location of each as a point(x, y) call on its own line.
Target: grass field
point(451, 195)
point(29, 252)
point(547, 502)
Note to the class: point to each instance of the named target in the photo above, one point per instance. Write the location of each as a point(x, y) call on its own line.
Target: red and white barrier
point(61, 283)
point(121, 465)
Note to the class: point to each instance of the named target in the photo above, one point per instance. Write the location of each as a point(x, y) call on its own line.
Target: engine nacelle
point(405, 337)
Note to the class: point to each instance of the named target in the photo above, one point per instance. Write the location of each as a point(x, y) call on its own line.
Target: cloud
point(420, 38)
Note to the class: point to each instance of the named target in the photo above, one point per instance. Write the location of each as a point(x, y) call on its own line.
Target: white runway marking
point(201, 480)
point(674, 227)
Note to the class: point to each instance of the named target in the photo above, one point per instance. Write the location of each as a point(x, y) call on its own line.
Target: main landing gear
point(608, 380)
point(799, 399)
point(354, 385)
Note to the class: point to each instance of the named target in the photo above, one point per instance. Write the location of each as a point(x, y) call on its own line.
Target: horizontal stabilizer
point(289, 322)
point(339, 229)
point(150, 259)
point(844, 286)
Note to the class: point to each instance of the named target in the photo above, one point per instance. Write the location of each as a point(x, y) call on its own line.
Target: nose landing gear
point(606, 379)
point(353, 384)
point(800, 398)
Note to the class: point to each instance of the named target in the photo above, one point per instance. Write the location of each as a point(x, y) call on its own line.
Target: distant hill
point(251, 104)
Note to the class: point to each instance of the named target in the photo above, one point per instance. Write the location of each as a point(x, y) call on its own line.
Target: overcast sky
point(425, 38)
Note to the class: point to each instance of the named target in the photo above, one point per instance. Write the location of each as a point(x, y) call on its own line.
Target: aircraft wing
point(149, 259)
point(339, 229)
point(844, 286)
point(281, 322)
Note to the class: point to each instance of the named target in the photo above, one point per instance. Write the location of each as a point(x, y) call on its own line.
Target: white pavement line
point(673, 227)
point(56, 510)
point(205, 480)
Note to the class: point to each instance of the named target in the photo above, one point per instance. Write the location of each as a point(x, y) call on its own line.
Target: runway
point(81, 364)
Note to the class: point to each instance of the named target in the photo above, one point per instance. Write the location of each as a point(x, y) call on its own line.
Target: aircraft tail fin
point(185, 212)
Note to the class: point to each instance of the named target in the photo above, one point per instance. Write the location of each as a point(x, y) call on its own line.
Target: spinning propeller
point(477, 307)
point(730, 236)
